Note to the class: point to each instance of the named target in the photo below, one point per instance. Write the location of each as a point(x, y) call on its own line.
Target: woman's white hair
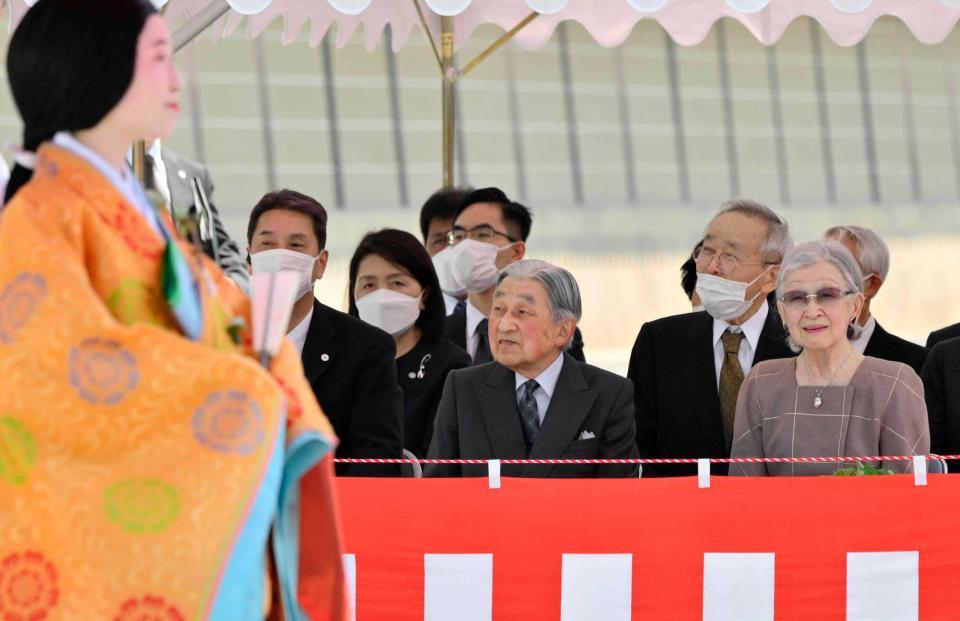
point(823, 251)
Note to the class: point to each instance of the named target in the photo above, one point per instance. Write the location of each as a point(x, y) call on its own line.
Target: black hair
point(69, 64)
point(403, 249)
point(688, 272)
point(290, 200)
point(515, 215)
point(442, 204)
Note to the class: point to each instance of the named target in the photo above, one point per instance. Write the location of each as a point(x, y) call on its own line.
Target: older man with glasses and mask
point(489, 233)
point(687, 369)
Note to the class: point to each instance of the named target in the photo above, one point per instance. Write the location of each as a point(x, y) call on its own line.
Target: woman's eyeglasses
point(826, 297)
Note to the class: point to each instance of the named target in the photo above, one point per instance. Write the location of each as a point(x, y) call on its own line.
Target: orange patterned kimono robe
point(140, 472)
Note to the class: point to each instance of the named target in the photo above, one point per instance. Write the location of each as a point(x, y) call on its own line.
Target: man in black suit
point(942, 393)
point(489, 233)
point(535, 401)
point(350, 364)
point(872, 254)
point(687, 369)
point(950, 332)
point(172, 174)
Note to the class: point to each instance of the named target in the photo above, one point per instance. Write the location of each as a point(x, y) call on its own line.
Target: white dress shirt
point(4, 177)
point(474, 317)
point(450, 302)
point(748, 345)
point(159, 171)
point(548, 383)
point(861, 343)
point(298, 336)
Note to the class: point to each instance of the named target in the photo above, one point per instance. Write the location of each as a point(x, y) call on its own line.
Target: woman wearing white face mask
point(394, 287)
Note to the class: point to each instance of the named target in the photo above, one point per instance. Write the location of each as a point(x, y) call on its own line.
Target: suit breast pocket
point(583, 448)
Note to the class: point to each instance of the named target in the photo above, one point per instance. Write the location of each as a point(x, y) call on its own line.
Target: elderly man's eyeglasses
point(481, 233)
point(726, 262)
point(825, 298)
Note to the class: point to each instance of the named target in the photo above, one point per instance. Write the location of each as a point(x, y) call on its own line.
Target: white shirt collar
point(868, 329)
point(751, 327)
point(547, 378)
point(450, 302)
point(124, 181)
point(154, 150)
point(298, 336)
point(474, 317)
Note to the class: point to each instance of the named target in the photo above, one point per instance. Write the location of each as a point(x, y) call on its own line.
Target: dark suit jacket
point(478, 419)
point(941, 388)
point(950, 332)
point(457, 334)
point(678, 406)
point(884, 345)
point(350, 366)
point(180, 173)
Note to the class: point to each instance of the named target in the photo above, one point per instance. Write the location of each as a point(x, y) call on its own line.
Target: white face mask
point(723, 298)
point(391, 311)
point(280, 260)
point(470, 266)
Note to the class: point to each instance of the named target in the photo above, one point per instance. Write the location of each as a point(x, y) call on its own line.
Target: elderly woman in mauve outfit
point(831, 400)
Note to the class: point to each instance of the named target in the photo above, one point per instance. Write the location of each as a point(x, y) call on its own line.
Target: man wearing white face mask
point(349, 363)
point(687, 369)
point(489, 233)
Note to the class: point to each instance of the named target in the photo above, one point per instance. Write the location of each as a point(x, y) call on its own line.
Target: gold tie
point(731, 376)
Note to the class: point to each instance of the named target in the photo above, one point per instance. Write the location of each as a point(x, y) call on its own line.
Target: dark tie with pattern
point(731, 376)
point(529, 412)
point(483, 345)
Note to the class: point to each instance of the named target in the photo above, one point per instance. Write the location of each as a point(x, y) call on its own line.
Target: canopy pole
point(199, 22)
point(449, 75)
point(426, 30)
point(482, 56)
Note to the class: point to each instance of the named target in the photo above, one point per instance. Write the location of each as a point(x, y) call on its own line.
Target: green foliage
point(862, 470)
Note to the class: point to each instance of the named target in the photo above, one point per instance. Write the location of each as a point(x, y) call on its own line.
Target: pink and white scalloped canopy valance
point(688, 22)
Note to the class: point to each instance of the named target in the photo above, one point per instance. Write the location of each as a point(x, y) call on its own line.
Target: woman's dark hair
point(403, 249)
point(69, 63)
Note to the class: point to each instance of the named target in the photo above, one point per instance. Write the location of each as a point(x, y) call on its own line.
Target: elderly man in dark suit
point(349, 363)
point(950, 332)
point(687, 369)
point(942, 393)
point(535, 400)
point(872, 254)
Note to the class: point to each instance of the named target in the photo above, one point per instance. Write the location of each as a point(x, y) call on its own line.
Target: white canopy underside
point(609, 22)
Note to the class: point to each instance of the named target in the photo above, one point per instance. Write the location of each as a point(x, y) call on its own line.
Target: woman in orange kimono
point(149, 467)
